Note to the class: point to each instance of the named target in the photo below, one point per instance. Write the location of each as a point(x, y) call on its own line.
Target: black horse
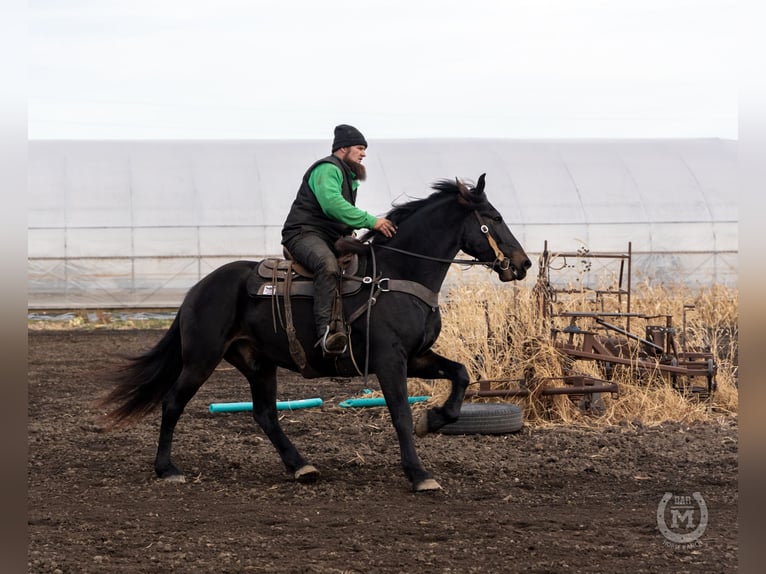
point(219, 319)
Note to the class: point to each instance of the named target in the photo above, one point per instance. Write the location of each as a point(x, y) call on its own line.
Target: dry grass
point(83, 320)
point(499, 333)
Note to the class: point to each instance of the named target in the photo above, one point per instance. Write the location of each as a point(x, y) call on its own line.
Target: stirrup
point(331, 343)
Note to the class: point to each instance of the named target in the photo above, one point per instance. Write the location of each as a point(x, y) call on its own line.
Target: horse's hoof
point(427, 485)
point(421, 427)
point(179, 478)
point(306, 474)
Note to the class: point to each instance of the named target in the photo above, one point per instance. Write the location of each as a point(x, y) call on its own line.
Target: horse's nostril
point(527, 264)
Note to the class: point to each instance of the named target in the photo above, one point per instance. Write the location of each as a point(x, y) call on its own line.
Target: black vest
point(306, 214)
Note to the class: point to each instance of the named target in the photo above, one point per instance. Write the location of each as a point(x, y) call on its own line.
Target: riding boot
point(333, 344)
point(335, 340)
point(337, 324)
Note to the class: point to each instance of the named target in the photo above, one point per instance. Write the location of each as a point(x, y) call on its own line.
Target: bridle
point(500, 259)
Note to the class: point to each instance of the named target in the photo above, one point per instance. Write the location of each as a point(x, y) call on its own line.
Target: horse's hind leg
point(262, 376)
point(188, 383)
point(434, 366)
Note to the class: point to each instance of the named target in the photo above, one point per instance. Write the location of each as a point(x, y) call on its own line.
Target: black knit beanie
point(346, 136)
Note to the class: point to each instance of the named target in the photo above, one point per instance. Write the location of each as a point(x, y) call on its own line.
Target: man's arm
point(326, 181)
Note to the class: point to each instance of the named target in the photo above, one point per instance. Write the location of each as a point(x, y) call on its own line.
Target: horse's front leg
point(434, 366)
point(393, 383)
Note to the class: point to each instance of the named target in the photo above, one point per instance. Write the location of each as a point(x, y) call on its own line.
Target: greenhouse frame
point(134, 224)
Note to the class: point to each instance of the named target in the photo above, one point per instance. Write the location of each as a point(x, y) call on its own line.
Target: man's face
point(354, 154)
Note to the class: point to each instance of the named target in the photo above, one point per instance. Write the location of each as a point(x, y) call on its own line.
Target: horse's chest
point(431, 329)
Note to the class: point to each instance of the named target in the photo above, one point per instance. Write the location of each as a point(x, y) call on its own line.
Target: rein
point(499, 257)
point(429, 258)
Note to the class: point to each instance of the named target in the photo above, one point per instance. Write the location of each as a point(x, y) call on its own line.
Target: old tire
point(492, 418)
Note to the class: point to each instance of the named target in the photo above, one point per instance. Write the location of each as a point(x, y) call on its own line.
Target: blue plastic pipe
point(281, 406)
point(376, 402)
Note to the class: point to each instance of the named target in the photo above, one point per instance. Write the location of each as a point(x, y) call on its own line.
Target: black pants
point(314, 253)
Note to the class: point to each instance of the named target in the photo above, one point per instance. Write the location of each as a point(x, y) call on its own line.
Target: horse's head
point(487, 237)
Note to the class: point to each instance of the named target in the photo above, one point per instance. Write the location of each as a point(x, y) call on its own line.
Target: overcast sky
point(245, 69)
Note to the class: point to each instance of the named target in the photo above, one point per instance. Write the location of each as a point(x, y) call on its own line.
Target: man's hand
point(385, 226)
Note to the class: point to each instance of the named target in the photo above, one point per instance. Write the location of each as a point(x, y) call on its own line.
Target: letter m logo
point(677, 516)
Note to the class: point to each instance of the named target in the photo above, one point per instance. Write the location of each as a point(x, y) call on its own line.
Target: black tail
point(144, 381)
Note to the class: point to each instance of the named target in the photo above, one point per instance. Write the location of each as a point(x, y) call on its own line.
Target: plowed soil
point(546, 499)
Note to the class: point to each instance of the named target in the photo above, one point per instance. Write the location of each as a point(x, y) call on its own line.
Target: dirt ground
point(555, 499)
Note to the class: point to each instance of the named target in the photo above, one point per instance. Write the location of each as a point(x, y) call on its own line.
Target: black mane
point(445, 188)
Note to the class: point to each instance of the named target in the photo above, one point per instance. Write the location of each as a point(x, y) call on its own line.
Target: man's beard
point(359, 170)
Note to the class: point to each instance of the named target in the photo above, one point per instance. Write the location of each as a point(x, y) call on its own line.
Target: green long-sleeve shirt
point(325, 181)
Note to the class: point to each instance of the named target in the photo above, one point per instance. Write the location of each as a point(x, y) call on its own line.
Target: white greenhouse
point(133, 224)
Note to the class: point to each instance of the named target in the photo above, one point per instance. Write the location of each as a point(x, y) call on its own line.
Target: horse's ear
point(480, 184)
point(464, 194)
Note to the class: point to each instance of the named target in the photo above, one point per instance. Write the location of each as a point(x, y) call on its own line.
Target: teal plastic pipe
point(376, 402)
point(281, 406)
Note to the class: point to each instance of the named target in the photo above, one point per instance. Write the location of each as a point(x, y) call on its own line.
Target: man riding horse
point(220, 319)
point(325, 210)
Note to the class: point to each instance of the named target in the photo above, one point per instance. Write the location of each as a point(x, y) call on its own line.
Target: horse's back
point(222, 284)
point(229, 271)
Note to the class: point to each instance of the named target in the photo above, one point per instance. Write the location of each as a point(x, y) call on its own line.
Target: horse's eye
point(497, 218)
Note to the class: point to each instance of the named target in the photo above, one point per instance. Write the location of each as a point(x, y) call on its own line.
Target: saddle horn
point(350, 244)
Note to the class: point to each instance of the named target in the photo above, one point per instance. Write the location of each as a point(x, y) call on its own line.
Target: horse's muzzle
point(508, 270)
